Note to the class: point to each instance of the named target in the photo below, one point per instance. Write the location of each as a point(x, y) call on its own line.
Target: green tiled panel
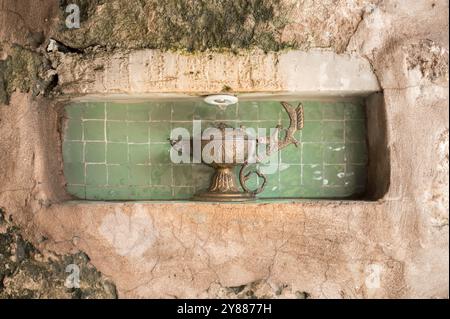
point(120, 151)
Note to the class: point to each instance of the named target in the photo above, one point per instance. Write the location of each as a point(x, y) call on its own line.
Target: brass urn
point(232, 150)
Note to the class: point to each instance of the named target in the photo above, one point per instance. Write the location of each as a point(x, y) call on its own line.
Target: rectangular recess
point(119, 150)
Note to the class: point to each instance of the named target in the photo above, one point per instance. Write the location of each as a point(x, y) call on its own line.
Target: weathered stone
point(27, 273)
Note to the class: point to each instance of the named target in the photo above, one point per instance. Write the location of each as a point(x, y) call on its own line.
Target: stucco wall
point(319, 249)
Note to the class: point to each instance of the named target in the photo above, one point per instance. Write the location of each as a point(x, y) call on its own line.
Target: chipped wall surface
point(395, 247)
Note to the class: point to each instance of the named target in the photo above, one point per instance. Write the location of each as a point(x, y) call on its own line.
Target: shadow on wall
point(379, 168)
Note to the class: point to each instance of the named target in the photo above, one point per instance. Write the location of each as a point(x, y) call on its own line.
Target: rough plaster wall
point(315, 249)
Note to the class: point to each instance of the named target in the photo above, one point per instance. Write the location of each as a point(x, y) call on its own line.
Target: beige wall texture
point(394, 247)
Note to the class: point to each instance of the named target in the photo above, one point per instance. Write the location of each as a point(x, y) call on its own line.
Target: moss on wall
point(177, 24)
point(26, 273)
point(25, 70)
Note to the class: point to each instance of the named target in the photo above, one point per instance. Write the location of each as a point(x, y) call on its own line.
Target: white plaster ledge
point(314, 72)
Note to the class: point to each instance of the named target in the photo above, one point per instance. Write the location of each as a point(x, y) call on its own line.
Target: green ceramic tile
point(183, 111)
point(94, 111)
point(289, 191)
point(140, 192)
point(357, 192)
point(95, 152)
point(74, 173)
point(337, 192)
point(201, 176)
point(270, 163)
point(312, 111)
point(284, 119)
point(354, 111)
point(310, 192)
point(93, 192)
point(230, 113)
point(118, 193)
point(117, 153)
point(312, 153)
point(291, 154)
point(73, 152)
point(205, 112)
point(312, 176)
point(182, 175)
point(270, 111)
point(116, 111)
point(291, 175)
point(356, 153)
point(312, 131)
point(118, 175)
point(116, 131)
point(161, 111)
point(94, 130)
point(356, 175)
point(334, 175)
point(138, 132)
point(251, 127)
point(207, 124)
point(74, 130)
point(77, 191)
point(334, 153)
point(139, 175)
point(248, 111)
point(355, 131)
point(96, 174)
point(75, 111)
point(333, 131)
point(160, 153)
point(272, 188)
point(138, 112)
point(333, 111)
point(139, 153)
point(160, 192)
point(161, 175)
point(186, 125)
point(160, 132)
point(268, 125)
point(183, 192)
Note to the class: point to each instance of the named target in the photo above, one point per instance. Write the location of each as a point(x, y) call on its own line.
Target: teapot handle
point(243, 179)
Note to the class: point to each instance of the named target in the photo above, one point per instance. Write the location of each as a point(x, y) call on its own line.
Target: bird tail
point(300, 116)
